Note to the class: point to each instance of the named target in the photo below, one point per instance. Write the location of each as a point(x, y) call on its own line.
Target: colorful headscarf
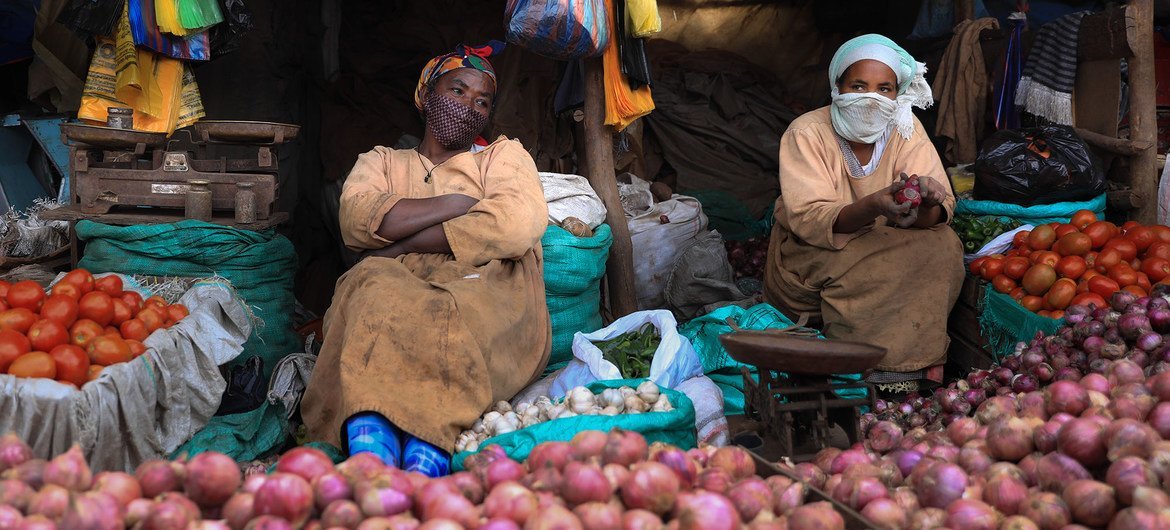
point(913, 90)
point(474, 57)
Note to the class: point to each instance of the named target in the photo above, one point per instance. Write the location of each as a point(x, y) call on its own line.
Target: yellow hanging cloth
point(643, 17)
point(622, 105)
point(166, 15)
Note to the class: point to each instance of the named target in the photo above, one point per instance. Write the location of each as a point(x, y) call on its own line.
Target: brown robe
point(431, 341)
point(885, 286)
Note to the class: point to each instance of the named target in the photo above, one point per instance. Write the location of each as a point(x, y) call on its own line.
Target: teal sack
point(260, 267)
point(1060, 212)
point(573, 267)
point(1004, 322)
point(730, 216)
point(676, 427)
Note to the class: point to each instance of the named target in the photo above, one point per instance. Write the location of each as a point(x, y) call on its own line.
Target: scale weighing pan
point(790, 353)
point(109, 137)
point(245, 132)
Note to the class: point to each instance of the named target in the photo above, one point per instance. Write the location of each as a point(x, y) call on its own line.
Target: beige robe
point(886, 286)
point(431, 341)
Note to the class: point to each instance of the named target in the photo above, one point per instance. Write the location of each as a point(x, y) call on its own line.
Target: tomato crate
point(969, 350)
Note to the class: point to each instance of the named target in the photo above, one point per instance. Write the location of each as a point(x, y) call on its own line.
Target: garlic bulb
point(503, 406)
point(635, 405)
point(580, 400)
point(491, 418)
point(662, 405)
point(477, 427)
point(612, 397)
point(648, 391)
point(627, 391)
point(609, 411)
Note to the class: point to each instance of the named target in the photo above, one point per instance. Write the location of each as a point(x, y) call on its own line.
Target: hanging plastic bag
point(170, 79)
point(166, 13)
point(558, 29)
point(643, 17)
point(193, 47)
point(225, 38)
point(623, 104)
point(1040, 165)
point(92, 17)
point(198, 15)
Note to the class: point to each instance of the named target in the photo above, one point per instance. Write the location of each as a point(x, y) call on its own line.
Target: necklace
point(422, 160)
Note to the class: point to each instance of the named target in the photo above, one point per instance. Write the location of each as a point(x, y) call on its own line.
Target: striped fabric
point(558, 29)
point(1046, 87)
point(425, 458)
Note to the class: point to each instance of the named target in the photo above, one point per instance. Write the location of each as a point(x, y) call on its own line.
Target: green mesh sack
point(1059, 212)
point(573, 267)
point(676, 427)
point(259, 265)
point(730, 216)
point(1004, 322)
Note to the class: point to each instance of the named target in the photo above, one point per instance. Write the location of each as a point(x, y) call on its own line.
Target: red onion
point(858, 492)
point(553, 518)
point(13, 452)
point(825, 457)
point(139, 509)
point(546, 479)
point(584, 483)
point(51, 501)
point(239, 509)
point(510, 500)
point(962, 430)
point(652, 486)
point(505, 469)
point(1067, 397)
point(1055, 470)
point(974, 457)
point(1005, 493)
point(286, 496)
point(616, 475)
point(641, 520)
point(158, 477)
point(269, 522)
point(508, 524)
point(1083, 439)
point(173, 511)
point(816, 516)
point(906, 498)
point(698, 456)
point(385, 501)
point(1019, 522)
point(1129, 437)
point(703, 510)
point(1128, 473)
point(787, 500)
point(1133, 325)
point(811, 474)
point(1090, 502)
point(1025, 383)
point(679, 462)
point(624, 448)
point(343, 513)
point(905, 459)
point(69, 470)
point(735, 460)
point(1131, 518)
point(10, 518)
point(1159, 420)
point(848, 459)
point(364, 466)
point(1121, 300)
point(833, 481)
point(1047, 510)
point(1044, 437)
point(1152, 499)
point(995, 409)
point(587, 444)
point(1010, 440)
point(1124, 371)
point(967, 514)
point(305, 462)
point(330, 487)
point(467, 484)
point(598, 516)
point(946, 453)
point(93, 511)
point(928, 519)
point(885, 514)
point(1158, 385)
point(15, 493)
point(943, 484)
point(975, 396)
point(714, 480)
point(750, 496)
point(884, 436)
point(554, 454)
point(123, 487)
point(212, 478)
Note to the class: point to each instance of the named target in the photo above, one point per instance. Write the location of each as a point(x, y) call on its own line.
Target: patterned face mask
point(453, 124)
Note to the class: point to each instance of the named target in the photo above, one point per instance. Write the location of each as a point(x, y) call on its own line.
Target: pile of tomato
point(78, 328)
point(1083, 261)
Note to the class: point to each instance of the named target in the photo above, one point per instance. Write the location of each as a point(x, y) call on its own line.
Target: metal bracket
point(175, 162)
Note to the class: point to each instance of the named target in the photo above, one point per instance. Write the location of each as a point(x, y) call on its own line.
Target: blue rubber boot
point(425, 458)
point(370, 432)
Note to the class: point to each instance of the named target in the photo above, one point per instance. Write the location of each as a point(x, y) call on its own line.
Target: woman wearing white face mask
point(843, 249)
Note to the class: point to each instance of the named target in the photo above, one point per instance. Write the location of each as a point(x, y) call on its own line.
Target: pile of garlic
point(504, 418)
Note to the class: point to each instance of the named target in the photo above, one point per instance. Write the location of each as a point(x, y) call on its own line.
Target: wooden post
point(964, 10)
point(619, 270)
point(1143, 117)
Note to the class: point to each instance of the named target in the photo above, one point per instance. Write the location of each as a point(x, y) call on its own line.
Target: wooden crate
point(968, 350)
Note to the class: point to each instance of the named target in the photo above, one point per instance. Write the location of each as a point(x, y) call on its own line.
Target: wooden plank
point(619, 269)
point(1120, 146)
point(1105, 35)
point(1096, 97)
point(1143, 116)
point(967, 356)
point(147, 216)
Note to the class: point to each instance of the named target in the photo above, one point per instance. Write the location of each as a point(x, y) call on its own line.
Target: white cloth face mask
point(862, 117)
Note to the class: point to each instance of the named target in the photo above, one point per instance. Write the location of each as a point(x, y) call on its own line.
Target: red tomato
point(13, 344)
point(1089, 299)
point(1073, 244)
point(122, 312)
point(1020, 240)
point(1103, 286)
point(1015, 267)
point(134, 329)
point(27, 294)
point(96, 306)
point(1099, 233)
point(976, 266)
point(1107, 258)
point(157, 301)
point(1003, 284)
point(47, 334)
point(66, 289)
point(1032, 303)
point(133, 300)
point(1123, 274)
point(1156, 268)
point(1158, 249)
point(1071, 267)
point(110, 284)
point(152, 316)
point(1083, 218)
point(34, 364)
point(60, 308)
point(1126, 247)
point(1142, 237)
point(1046, 257)
point(19, 319)
point(81, 279)
point(72, 364)
point(1064, 230)
point(94, 372)
point(1161, 232)
point(106, 350)
point(1129, 225)
point(1136, 290)
point(84, 331)
point(136, 347)
point(177, 312)
point(1038, 279)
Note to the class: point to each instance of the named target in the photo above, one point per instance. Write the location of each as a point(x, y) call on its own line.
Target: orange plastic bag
point(622, 105)
point(163, 92)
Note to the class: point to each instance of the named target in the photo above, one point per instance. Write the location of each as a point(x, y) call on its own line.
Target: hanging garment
point(623, 104)
point(1007, 76)
point(961, 87)
point(1051, 71)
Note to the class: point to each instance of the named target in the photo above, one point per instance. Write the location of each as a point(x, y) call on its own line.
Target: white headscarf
point(866, 117)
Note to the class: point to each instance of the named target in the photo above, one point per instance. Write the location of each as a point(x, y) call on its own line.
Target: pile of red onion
point(748, 257)
point(1073, 431)
point(596, 481)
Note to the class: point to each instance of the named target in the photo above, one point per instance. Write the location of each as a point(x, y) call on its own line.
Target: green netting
point(1039, 214)
point(573, 267)
point(730, 216)
point(676, 427)
point(704, 332)
point(1004, 322)
point(259, 265)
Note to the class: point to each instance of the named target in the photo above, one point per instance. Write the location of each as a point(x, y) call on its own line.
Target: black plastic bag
point(92, 17)
point(246, 387)
point(237, 20)
point(1040, 165)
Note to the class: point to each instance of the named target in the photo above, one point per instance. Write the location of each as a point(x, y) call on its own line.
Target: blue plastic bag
point(558, 29)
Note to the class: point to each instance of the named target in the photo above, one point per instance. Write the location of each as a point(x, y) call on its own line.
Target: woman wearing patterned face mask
point(446, 314)
point(844, 249)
